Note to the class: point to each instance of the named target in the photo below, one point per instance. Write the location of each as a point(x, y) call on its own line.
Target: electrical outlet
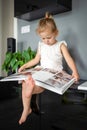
point(25, 29)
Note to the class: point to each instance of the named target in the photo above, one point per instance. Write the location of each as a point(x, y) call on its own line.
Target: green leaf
point(17, 59)
point(15, 66)
point(20, 63)
point(8, 57)
point(4, 67)
point(13, 61)
point(26, 56)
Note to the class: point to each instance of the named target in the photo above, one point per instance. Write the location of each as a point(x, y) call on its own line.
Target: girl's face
point(48, 37)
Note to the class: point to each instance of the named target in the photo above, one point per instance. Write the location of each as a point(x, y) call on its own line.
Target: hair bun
point(48, 15)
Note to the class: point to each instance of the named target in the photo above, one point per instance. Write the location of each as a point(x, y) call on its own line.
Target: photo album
point(49, 79)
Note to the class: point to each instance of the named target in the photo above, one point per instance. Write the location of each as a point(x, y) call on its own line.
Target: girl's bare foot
point(24, 116)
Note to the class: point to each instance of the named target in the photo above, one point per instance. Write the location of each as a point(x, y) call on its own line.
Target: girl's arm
point(70, 61)
point(30, 63)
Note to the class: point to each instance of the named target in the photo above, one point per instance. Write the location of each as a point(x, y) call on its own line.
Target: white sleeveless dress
point(51, 56)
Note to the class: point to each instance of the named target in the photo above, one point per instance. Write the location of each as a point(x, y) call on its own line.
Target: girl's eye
point(43, 38)
point(48, 37)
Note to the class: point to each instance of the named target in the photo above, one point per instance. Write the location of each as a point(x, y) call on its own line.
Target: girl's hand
point(76, 76)
point(20, 69)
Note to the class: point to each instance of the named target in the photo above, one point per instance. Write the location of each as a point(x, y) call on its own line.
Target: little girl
point(49, 53)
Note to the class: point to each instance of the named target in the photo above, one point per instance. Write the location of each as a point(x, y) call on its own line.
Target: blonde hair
point(46, 23)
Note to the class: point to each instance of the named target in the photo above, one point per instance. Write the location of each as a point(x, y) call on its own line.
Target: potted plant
point(14, 60)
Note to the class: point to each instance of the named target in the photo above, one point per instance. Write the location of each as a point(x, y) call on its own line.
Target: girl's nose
point(47, 40)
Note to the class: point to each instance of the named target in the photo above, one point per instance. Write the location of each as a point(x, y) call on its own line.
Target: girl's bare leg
point(28, 88)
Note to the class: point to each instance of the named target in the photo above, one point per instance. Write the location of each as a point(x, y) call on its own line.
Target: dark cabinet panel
point(34, 9)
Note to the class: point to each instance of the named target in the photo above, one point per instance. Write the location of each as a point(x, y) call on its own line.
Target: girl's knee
point(28, 94)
